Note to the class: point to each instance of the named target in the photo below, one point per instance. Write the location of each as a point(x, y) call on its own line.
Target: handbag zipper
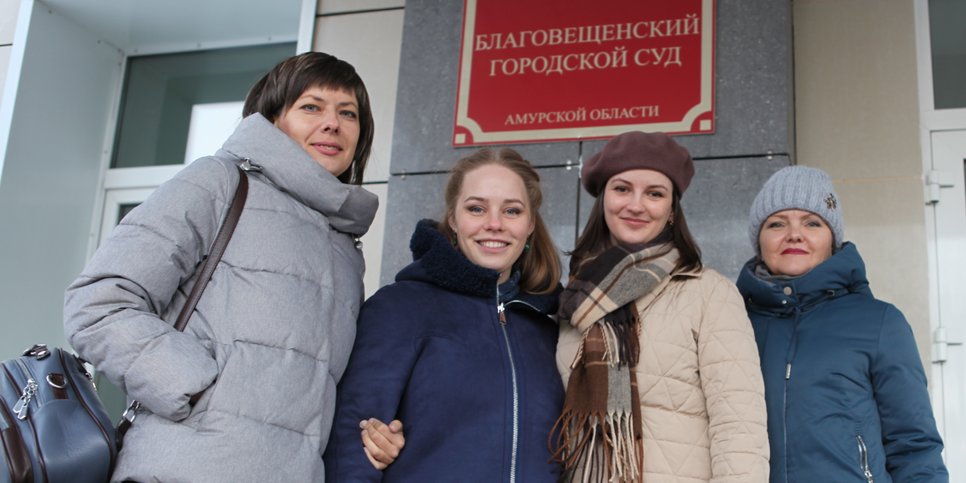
point(26, 397)
point(28, 393)
point(23, 404)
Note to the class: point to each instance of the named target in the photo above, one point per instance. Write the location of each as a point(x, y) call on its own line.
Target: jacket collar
point(842, 273)
point(436, 261)
point(349, 208)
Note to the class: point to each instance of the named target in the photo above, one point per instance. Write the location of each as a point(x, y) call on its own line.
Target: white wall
point(9, 10)
point(8, 26)
point(368, 35)
point(51, 169)
point(4, 61)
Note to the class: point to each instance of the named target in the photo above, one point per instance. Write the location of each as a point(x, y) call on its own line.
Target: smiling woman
point(492, 219)
point(326, 123)
point(321, 106)
point(460, 348)
point(637, 205)
point(274, 327)
point(830, 351)
point(650, 339)
point(794, 241)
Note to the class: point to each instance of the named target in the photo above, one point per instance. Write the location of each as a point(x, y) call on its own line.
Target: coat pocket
point(268, 385)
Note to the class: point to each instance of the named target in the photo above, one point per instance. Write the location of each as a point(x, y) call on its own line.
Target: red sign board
point(555, 70)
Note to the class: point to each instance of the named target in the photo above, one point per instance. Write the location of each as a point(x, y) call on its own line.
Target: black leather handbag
point(54, 427)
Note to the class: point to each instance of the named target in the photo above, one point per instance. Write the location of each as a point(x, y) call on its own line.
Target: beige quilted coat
point(700, 384)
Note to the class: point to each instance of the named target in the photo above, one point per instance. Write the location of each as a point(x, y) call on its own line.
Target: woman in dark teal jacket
point(844, 385)
point(461, 347)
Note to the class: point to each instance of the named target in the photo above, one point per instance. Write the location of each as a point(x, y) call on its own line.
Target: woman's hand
point(381, 442)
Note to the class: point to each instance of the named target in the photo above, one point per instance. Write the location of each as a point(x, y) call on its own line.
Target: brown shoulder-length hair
point(277, 90)
point(539, 266)
point(596, 238)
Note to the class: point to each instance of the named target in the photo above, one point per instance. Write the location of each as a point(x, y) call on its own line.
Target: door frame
point(946, 222)
point(942, 127)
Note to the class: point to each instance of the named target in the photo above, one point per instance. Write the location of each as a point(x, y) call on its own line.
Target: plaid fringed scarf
point(599, 433)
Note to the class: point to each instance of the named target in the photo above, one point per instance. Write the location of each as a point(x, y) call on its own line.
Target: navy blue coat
point(478, 398)
point(844, 384)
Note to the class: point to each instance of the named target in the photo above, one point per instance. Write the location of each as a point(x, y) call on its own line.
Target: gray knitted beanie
point(797, 188)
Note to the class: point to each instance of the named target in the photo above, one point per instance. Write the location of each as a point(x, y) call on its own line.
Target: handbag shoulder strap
point(217, 249)
point(207, 268)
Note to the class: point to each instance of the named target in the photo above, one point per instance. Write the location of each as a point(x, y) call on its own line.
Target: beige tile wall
point(326, 7)
point(370, 41)
point(857, 117)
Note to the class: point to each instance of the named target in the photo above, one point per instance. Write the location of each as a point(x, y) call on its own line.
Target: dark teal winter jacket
point(844, 385)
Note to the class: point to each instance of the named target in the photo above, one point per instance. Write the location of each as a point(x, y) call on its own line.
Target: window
point(948, 39)
point(162, 91)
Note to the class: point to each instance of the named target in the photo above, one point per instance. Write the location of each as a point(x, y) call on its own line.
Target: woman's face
point(325, 122)
point(492, 218)
point(637, 205)
point(794, 241)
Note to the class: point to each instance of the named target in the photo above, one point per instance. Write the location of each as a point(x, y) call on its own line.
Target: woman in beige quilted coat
point(657, 353)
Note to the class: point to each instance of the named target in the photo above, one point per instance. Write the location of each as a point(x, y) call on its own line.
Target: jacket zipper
point(788, 376)
point(789, 357)
point(500, 309)
point(864, 459)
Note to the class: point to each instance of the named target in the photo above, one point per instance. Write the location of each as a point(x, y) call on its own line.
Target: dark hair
point(539, 266)
point(286, 82)
point(596, 237)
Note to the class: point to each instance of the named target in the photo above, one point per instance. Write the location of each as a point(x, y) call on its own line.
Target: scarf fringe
point(607, 448)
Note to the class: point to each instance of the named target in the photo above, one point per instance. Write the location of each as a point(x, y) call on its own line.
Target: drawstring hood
point(789, 297)
point(842, 273)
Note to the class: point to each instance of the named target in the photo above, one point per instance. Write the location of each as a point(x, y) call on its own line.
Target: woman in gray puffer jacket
point(247, 392)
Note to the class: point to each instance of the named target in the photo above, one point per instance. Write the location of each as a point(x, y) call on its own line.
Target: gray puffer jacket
point(269, 339)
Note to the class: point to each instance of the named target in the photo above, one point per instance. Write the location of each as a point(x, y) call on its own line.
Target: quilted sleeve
point(733, 388)
point(112, 311)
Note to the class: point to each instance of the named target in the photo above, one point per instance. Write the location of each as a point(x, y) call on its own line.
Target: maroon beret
point(638, 150)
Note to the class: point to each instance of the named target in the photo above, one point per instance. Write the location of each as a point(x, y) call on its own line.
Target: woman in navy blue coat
point(461, 347)
point(844, 385)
